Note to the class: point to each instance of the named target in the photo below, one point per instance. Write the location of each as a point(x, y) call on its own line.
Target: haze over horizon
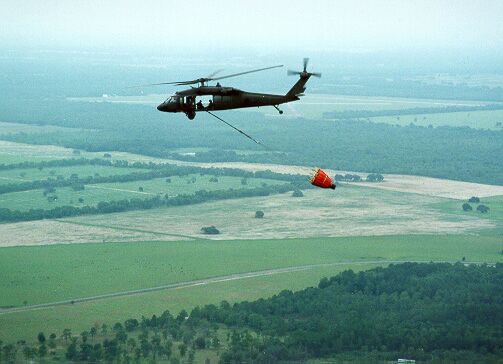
point(268, 25)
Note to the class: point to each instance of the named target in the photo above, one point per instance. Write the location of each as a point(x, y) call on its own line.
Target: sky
point(352, 25)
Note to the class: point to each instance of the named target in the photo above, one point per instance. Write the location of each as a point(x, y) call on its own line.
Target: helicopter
point(190, 101)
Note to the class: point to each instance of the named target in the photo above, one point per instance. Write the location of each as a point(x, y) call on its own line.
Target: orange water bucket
point(321, 179)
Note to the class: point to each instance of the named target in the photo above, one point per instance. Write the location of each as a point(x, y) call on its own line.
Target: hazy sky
point(268, 24)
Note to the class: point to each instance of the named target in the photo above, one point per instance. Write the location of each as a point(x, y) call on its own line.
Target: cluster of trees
point(375, 177)
point(480, 208)
point(425, 312)
point(165, 338)
point(348, 177)
point(104, 207)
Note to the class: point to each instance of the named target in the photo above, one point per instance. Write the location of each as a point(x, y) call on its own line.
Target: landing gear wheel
point(191, 115)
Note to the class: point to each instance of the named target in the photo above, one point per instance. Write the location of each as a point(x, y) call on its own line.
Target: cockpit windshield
point(173, 99)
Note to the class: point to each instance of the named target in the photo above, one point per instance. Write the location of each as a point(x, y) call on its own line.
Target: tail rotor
point(304, 72)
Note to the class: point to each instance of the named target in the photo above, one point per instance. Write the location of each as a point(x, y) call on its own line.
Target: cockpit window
point(173, 99)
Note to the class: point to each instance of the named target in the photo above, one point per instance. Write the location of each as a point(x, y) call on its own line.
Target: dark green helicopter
point(208, 98)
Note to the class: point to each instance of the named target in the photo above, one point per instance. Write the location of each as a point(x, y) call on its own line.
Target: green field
point(95, 193)
point(33, 174)
point(472, 119)
point(495, 205)
point(52, 273)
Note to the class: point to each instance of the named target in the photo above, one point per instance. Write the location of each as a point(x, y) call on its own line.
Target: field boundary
point(121, 228)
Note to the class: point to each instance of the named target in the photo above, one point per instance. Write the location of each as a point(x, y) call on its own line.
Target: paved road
point(218, 279)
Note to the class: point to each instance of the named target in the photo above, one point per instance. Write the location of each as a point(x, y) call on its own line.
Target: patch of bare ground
point(435, 187)
point(46, 232)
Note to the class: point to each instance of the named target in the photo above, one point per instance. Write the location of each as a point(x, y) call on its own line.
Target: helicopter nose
point(161, 107)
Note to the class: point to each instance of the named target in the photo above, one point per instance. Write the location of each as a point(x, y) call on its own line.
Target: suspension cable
point(238, 130)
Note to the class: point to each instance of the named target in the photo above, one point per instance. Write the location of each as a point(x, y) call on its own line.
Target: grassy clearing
point(95, 193)
point(472, 119)
point(104, 268)
point(52, 273)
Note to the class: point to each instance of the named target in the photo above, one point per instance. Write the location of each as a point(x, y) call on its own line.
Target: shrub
point(483, 209)
point(259, 214)
point(467, 207)
point(211, 230)
point(297, 193)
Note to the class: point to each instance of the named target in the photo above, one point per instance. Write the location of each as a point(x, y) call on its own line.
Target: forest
point(424, 311)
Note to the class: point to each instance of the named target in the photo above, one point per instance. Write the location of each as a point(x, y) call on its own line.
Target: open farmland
point(92, 194)
point(427, 186)
point(11, 152)
point(82, 171)
point(119, 267)
point(350, 211)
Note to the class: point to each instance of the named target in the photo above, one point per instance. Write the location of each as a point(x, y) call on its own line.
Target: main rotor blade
point(206, 79)
point(154, 84)
point(244, 73)
point(214, 73)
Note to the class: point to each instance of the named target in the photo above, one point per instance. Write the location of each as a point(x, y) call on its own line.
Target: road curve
point(217, 279)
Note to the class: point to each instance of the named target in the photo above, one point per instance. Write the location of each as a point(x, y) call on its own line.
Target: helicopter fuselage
point(219, 98)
